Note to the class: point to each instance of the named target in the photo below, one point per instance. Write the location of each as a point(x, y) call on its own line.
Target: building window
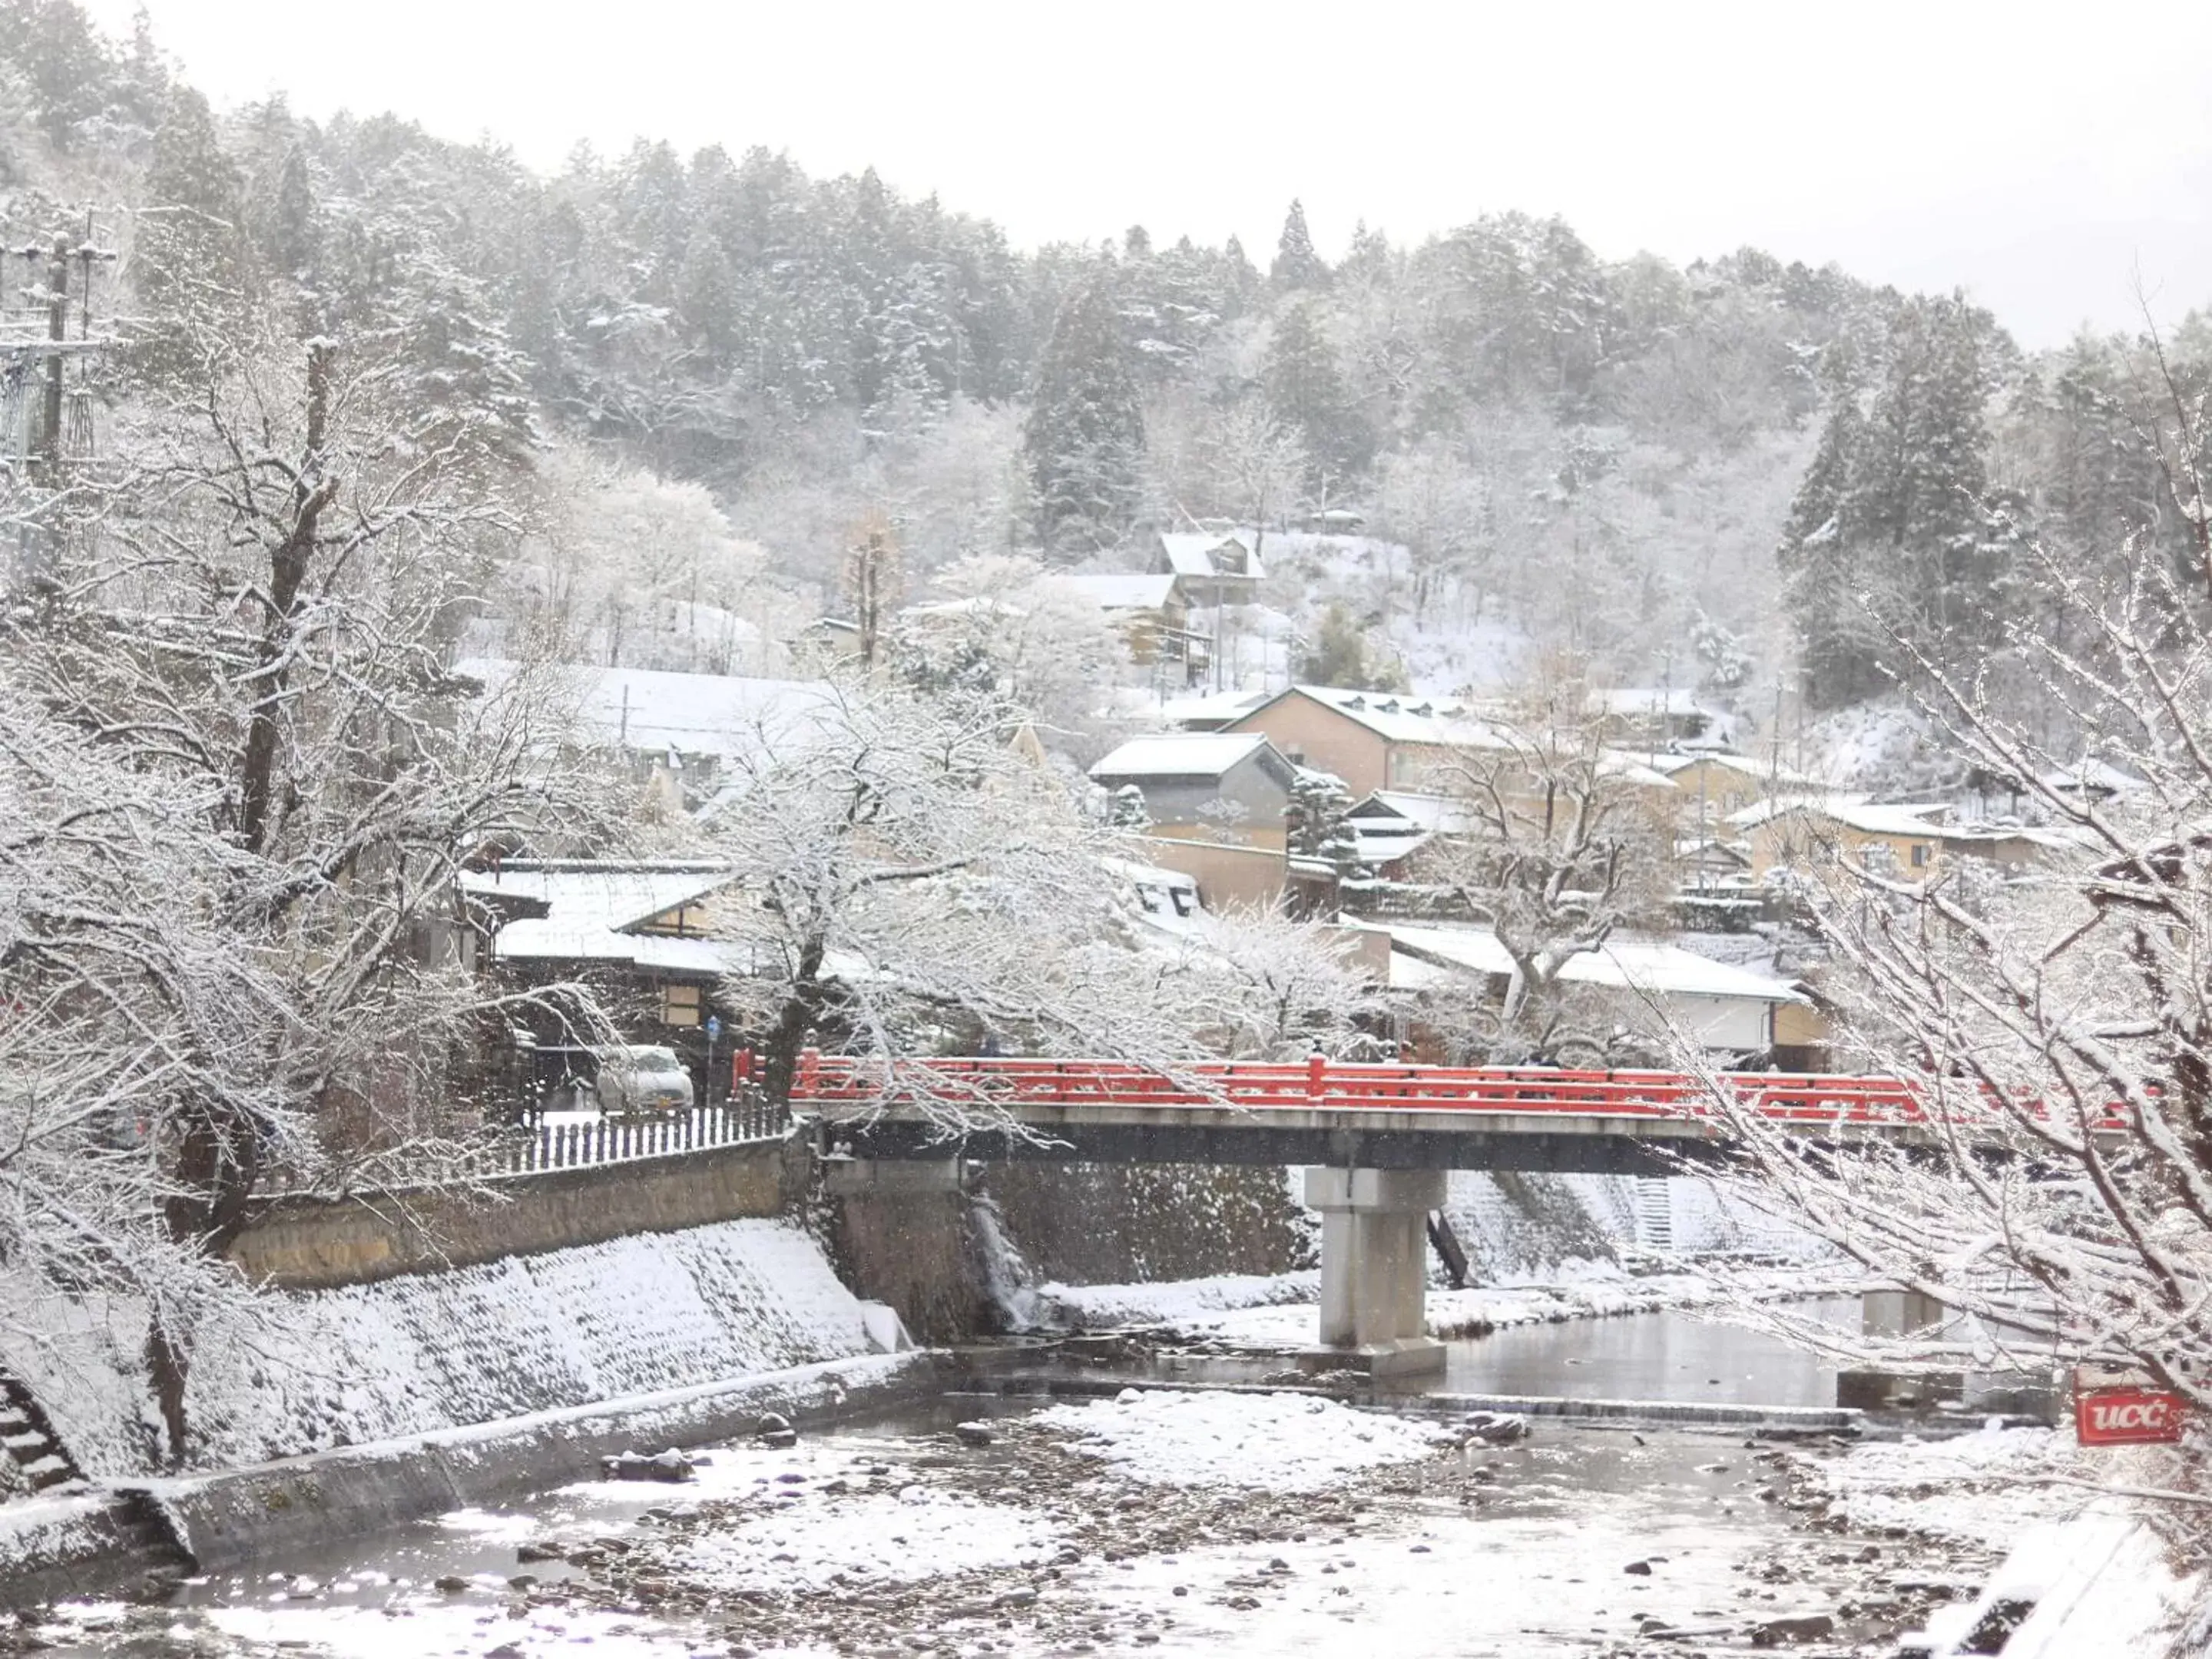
point(1919, 854)
point(680, 1005)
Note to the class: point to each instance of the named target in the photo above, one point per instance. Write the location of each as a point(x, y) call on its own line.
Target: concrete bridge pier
point(1373, 1269)
point(1896, 1312)
point(1899, 1313)
point(904, 1235)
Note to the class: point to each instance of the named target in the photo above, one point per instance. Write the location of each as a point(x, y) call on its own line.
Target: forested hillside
point(1742, 474)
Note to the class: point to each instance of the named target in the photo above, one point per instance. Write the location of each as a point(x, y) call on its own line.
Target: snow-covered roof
point(1759, 811)
point(1645, 965)
point(550, 939)
point(1124, 590)
point(1192, 553)
point(1401, 716)
point(1216, 709)
point(607, 897)
point(1631, 769)
point(1168, 899)
point(1675, 702)
point(1439, 814)
point(1150, 875)
point(975, 605)
point(1882, 818)
point(2090, 777)
point(1378, 846)
point(1180, 754)
point(1674, 761)
point(647, 710)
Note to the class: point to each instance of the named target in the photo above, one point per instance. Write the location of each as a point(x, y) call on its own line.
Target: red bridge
point(1377, 1140)
point(1324, 1111)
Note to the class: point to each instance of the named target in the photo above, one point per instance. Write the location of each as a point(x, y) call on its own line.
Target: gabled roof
point(596, 895)
point(1631, 769)
point(1126, 590)
point(1398, 716)
point(2090, 777)
point(1645, 965)
point(1182, 754)
point(1673, 761)
point(1212, 711)
point(1437, 814)
point(1192, 553)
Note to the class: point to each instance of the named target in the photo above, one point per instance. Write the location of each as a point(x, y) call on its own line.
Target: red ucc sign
point(2126, 1417)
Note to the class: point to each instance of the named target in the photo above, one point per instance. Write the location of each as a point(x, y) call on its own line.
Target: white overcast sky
point(2038, 156)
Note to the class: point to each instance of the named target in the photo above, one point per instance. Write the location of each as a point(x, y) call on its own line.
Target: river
point(1230, 1524)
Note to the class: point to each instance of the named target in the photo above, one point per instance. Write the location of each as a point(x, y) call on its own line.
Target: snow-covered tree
point(1011, 628)
point(252, 618)
point(1341, 653)
point(910, 882)
point(1563, 844)
point(632, 571)
point(1264, 987)
point(2057, 1027)
point(1085, 441)
point(1295, 265)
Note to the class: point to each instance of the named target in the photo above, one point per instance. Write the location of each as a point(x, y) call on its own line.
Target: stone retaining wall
point(318, 1243)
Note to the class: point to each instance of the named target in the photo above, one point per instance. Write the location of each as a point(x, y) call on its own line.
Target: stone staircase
point(1655, 1216)
point(27, 1438)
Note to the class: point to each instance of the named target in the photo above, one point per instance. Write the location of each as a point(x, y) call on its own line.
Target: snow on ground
point(1280, 1441)
point(919, 1533)
point(1983, 1488)
point(40, 1531)
point(795, 1526)
point(424, 1630)
point(1098, 1307)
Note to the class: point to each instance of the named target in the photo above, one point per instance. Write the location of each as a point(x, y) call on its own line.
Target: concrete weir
point(1374, 1268)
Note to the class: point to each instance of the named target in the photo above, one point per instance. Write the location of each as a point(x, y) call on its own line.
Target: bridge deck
point(1384, 1116)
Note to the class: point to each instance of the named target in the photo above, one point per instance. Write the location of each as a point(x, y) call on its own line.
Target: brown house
point(1372, 739)
point(1151, 612)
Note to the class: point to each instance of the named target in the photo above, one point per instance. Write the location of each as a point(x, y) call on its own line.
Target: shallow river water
point(894, 1537)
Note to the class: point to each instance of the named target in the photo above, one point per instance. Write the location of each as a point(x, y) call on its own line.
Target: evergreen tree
point(1240, 279)
point(1891, 529)
point(63, 57)
point(1315, 826)
point(1305, 391)
point(1338, 656)
point(1125, 810)
point(189, 264)
point(1297, 268)
point(1920, 487)
point(1084, 443)
point(1821, 559)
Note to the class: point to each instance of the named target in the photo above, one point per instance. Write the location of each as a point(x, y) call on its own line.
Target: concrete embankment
point(233, 1514)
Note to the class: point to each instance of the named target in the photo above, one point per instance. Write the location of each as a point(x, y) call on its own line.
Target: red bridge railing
point(828, 1081)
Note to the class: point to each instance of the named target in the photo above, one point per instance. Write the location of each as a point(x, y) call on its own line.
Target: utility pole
point(49, 447)
point(33, 365)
